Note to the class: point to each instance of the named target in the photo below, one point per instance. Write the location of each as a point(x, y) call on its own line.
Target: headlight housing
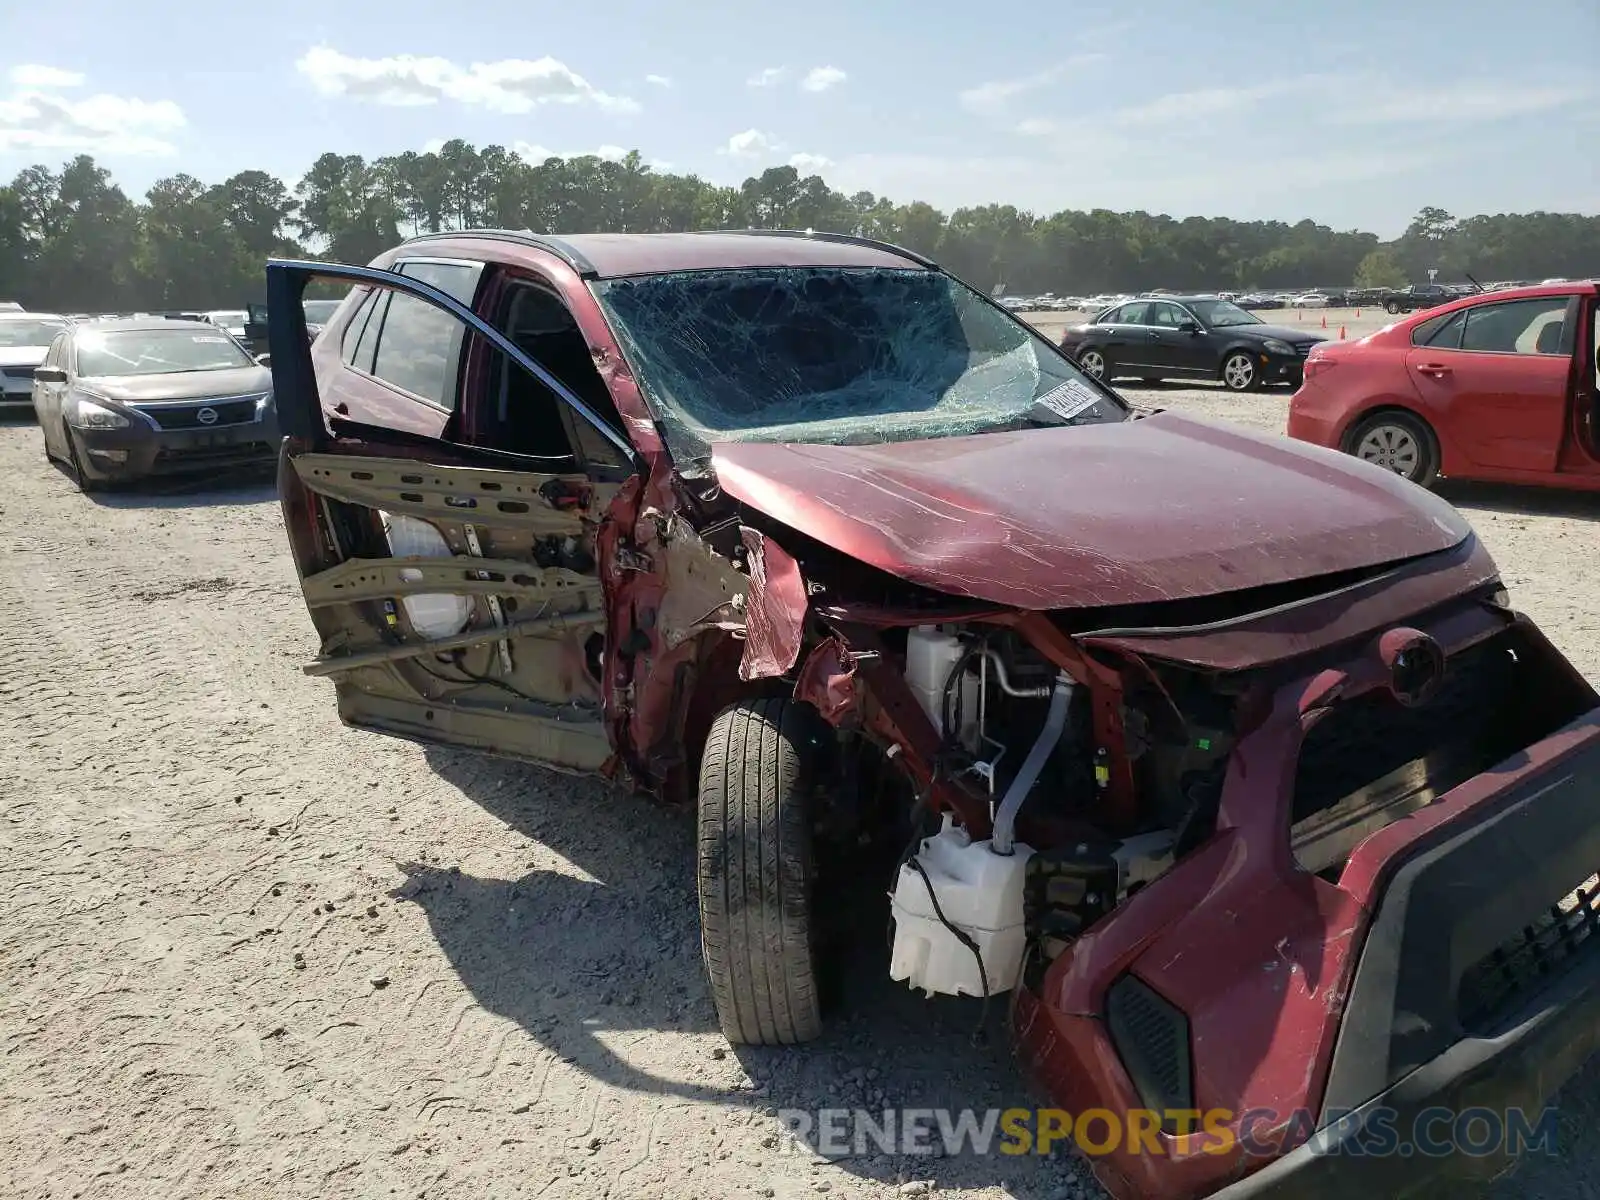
point(89, 415)
point(1274, 346)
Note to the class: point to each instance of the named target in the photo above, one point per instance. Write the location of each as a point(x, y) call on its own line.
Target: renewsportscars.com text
point(1433, 1132)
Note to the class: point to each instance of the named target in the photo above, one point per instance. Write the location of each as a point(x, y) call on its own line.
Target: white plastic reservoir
point(930, 657)
point(980, 892)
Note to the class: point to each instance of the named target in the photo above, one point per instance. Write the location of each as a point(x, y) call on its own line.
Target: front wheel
point(1239, 372)
point(1093, 363)
point(1398, 442)
point(755, 870)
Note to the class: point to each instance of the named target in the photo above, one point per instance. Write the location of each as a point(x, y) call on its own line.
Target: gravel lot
point(249, 953)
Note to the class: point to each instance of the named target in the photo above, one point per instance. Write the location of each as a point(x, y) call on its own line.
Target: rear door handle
point(1437, 370)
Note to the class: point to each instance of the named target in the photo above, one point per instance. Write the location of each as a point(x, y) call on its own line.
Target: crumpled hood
point(1164, 508)
point(182, 385)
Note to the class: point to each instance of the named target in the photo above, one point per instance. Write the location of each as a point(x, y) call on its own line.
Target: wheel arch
point(1445, 462)
point(1230, 350)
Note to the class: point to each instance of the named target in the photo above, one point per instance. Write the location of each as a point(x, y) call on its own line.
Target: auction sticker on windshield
point(1070, 399)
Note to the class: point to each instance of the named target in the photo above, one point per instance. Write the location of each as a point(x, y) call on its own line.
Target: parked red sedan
point(1497, 387)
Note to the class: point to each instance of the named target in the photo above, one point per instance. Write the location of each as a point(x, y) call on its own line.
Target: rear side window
point(408, 342)
point(361, 334)
point(1442, 333)
point(1518, 327)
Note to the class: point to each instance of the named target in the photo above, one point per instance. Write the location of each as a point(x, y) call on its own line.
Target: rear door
point(1500, 375)
point(1122, 335)
point(454, 588)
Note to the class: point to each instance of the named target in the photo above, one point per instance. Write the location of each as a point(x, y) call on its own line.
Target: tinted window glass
point(1442, 333)
point(1166, 315)
point(360, 336)
point(1129, 314)
point(419, 345)
point(1517, 327)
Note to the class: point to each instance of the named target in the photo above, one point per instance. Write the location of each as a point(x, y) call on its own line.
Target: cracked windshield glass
point(157, 352)
point(837, 355)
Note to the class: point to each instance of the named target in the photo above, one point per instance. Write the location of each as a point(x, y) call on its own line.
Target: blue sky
point(1352, 112)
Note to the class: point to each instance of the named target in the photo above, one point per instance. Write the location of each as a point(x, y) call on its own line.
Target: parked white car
point(25, 339)
point(1311, 300)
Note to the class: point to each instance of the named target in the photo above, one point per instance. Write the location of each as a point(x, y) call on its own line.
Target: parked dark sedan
point(120, 400)
point(1188, 337)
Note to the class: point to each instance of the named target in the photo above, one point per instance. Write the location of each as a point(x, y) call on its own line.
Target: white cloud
point(35, 117)
point(809, 163)
point(1210, 102)
point(993, 97)
point(433, 145)
point(768, 76)
point(32, 75)
point(529, 152)
point(752, 143)
point(659, 80)
point(1459, 103)
point(509, 85)
point(820, 79)
point(1037, 127)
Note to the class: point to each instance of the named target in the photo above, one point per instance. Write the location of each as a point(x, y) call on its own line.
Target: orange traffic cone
point(1324, 322)
point(1358, 312)
point(1341, 333)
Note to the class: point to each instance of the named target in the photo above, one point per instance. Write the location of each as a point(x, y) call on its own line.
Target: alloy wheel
point(1239, 372)
point(1093, 363)
point(1392, 447)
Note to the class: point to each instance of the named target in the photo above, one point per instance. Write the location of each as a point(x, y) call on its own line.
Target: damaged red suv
point(1225, 757)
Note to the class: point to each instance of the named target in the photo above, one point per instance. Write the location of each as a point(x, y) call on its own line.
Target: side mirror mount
point(1188, 327)
point(49, 375)
point(263, 360)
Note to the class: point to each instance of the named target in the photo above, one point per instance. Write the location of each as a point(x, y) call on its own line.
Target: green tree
point(1380, 270)
point(70, 239)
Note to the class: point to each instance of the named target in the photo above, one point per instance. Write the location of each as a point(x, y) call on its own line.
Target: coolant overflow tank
point(980, 892)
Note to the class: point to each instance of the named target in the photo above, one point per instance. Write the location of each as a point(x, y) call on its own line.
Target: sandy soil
point(249, 953)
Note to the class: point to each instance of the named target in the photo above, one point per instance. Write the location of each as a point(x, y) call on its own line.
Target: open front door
point(455, 589)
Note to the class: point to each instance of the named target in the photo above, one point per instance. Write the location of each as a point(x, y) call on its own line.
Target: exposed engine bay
point(978, 917)
point(1021, 731)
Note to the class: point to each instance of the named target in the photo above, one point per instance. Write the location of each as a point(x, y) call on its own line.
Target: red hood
point(1164, 508)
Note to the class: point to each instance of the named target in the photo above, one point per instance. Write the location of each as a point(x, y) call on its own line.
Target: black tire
point(1392, 307)
point(1239, 372)
point(755, 870)
point(1421, 469)
point(75, 467)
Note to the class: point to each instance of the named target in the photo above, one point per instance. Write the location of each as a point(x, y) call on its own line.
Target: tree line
point(71, 240)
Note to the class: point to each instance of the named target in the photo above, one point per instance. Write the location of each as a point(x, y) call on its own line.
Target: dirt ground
point(249, 953)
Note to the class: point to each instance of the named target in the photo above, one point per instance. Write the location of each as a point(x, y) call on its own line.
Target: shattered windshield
point(823, 354)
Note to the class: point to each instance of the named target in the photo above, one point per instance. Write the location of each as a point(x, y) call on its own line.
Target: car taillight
point(1317, 364)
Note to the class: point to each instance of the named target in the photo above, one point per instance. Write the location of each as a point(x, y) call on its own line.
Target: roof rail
point(561, 248)
point(848, 239)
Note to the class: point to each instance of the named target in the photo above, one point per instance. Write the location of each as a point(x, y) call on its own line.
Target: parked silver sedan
point(24, 338)
point(121, 400)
